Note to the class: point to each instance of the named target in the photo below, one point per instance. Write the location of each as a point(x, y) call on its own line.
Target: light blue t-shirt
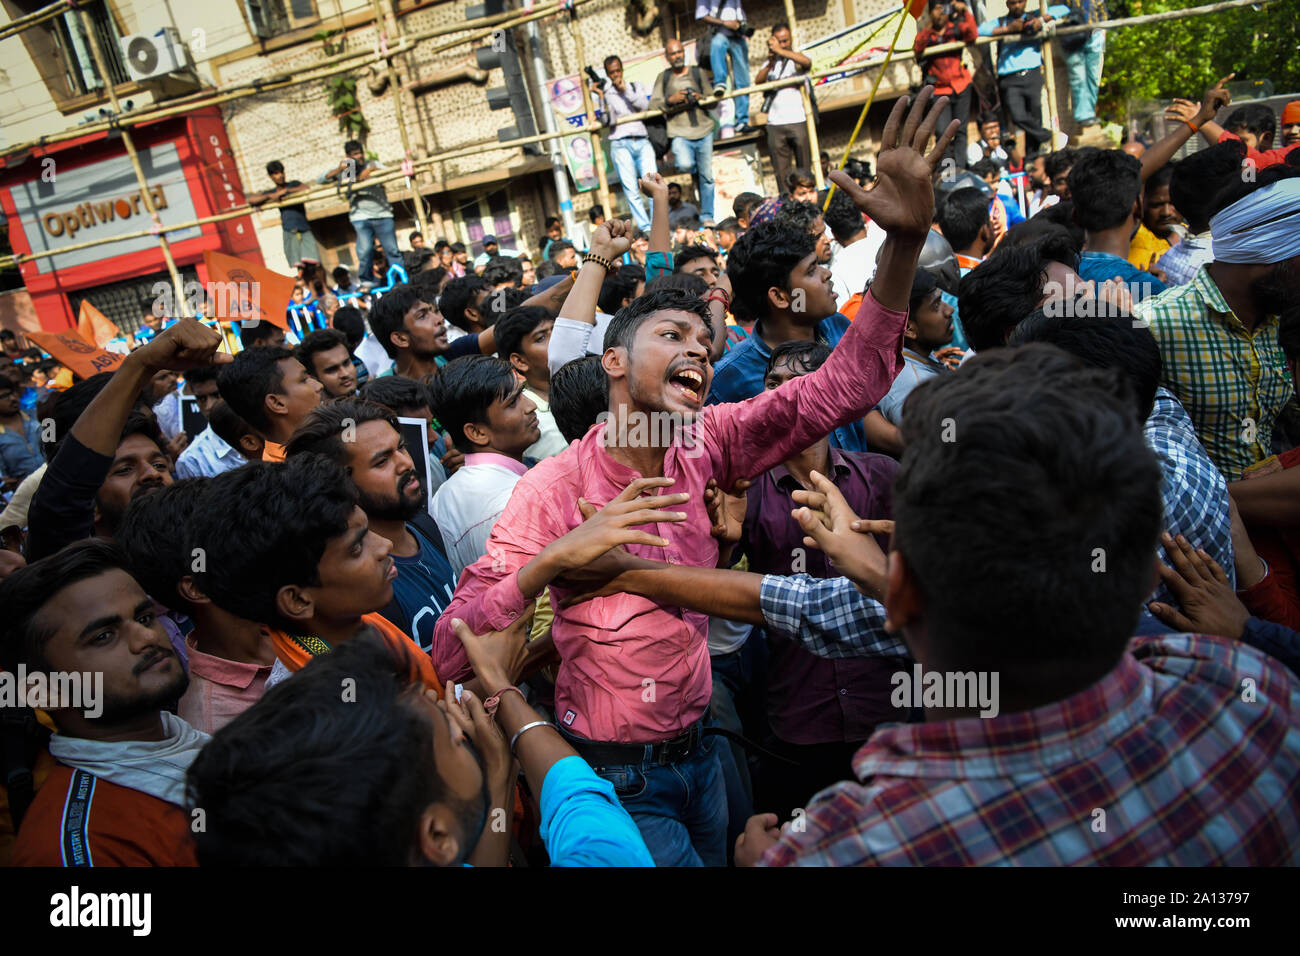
point(583, 824)
point(1016, 55)
point(1101, 266)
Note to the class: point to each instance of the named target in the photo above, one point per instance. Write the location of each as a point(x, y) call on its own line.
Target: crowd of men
point(877, 530)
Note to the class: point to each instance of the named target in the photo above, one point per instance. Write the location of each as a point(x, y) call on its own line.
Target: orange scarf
point(295, 652)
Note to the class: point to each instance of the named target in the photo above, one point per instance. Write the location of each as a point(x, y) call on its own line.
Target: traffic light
point(503, 53)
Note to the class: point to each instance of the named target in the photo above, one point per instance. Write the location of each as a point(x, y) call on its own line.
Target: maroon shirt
point(811, 699)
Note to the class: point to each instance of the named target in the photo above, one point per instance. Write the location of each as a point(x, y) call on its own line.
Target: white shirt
point(853, 265)
point(208, 456)
point(787, 104)
point(729, 10)
point(551, 442)
point(469, 503)
point(168, 413)
point(571, 339)
point(373, 355)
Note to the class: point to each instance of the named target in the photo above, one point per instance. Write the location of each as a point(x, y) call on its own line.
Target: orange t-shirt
point(295, 656)
point(272, 452)
point(78, 819)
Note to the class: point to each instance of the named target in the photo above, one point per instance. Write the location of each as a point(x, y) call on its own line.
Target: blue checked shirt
point(1194, 493)
point(829, 616)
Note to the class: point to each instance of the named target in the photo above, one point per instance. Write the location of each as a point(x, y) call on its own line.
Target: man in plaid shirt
point(1218, 334)
point(1104, 749)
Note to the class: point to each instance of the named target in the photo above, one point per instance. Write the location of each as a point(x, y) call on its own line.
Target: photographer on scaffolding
point(950, 22)
point(1020, 65)
point(729, 38)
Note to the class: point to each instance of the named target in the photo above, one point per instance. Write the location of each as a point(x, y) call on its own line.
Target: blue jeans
point(696, 156)
point(367, 230)
point(724, 44)
point(634, 157)
point(680, 808)
point(1084, 68)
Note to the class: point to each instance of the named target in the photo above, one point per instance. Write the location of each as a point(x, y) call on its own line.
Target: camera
point(595, 78)
point(745, 30)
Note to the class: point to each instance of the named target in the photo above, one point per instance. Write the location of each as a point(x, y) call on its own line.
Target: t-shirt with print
point(422, 589)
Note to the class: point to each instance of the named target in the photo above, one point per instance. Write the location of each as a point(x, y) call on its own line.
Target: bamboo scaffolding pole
point(322, 193)
point(805, 91)
point(101, 64)
point(395, 87)
point(16, 26)
point(1049, 81)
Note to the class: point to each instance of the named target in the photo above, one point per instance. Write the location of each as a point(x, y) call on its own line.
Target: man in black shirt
point(299, 243)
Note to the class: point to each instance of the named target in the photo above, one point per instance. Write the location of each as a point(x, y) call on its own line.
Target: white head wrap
point(1261, 228)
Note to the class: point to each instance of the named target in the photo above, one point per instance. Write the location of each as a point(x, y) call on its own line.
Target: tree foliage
point(1183, 57)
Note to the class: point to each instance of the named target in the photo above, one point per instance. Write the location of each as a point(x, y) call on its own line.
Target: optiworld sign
point(89, 214)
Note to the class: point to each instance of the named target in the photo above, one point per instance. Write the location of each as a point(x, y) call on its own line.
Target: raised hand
point(653, 186)
point(726, 510)
point(1215, 98)
point(901, 200)
point(612, 238)
point(187, 344)
point(496, 656)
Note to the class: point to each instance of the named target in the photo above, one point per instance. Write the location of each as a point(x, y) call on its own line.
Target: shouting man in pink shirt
point(634, 683)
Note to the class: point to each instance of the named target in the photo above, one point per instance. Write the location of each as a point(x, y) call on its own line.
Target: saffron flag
point(916, 8)
point(95, 327)
point(81, 357)
point(243, 291)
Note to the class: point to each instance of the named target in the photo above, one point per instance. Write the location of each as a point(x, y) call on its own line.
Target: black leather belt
point(604, 754)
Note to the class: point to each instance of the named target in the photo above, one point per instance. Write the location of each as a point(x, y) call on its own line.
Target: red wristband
point(492, 703)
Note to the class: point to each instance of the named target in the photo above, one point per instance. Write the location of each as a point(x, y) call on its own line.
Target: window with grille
point(78, 59)
point(271, 18)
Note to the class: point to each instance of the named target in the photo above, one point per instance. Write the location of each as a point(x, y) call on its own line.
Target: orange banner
point(95, 327)
point(244, 291)
point(83, 359)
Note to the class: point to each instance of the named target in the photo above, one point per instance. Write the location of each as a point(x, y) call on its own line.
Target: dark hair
point(553, 221)
point(1061, 214)
point(515, 325)
point(321, 340)
point(988, 116)
point(1055, 242)
point(923, 283)
point(962, 215)
point(691, 253)
point(618, 285)
point(253, 335)
point(202, 373)
point(579, 394)
point(64, 408)
point(1256, 118)
point(321, 431)
point(152, 537)
point(682, 281)
point(227, 424)
point(802, 355)
point(859, 171)
point(457, 295)
point(1199, 178)
point(728, 225)
point(310, 777)
point(1037, 510)
point(463, 391)
point(265, 526)
point(743, 203)
point(558, 247)
point(612, 58)
point(800, 215)
point(254, 374)
point(985, 167)
point(396, 392)
point(623, 327)
point(1103, 342)
point(595, 212)
point(1104, 186)
point(503, 269)
point(500, 302)
point(799, 177)
point(388, 315)
point(413, 260)
point(352, 145)
point(348, 320)
point(1059, 162)
point(24, 592)
point(458, 247)
point(427, 284)
point(844, 217)
point(547, 268)
point(275, 166)
point(994, 296)
point(764, 257)
point(1159, 178)
point(1236, 189)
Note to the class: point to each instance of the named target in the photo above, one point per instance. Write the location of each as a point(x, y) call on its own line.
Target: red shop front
point(86, 189)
